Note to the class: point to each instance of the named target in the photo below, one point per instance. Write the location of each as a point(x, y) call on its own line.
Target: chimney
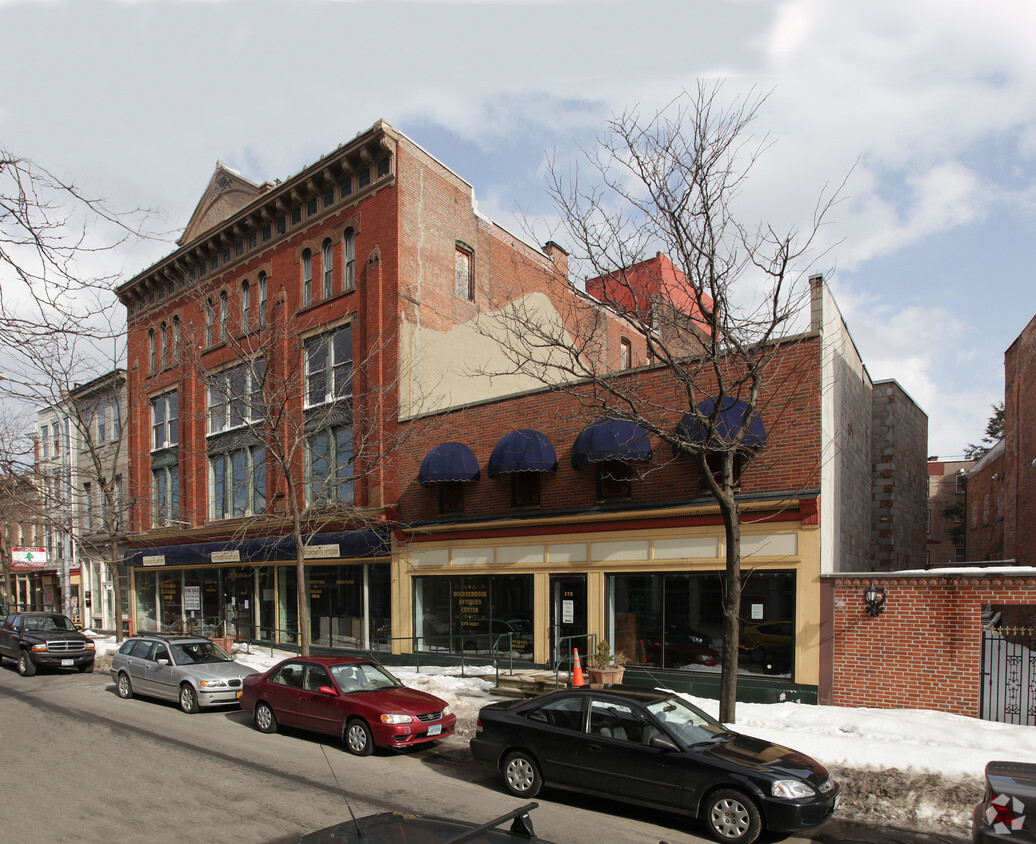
point(558, 256)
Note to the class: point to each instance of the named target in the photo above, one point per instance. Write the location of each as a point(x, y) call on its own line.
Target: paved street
point(81, 764)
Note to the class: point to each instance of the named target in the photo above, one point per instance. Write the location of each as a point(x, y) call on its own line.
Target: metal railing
point(591, 640)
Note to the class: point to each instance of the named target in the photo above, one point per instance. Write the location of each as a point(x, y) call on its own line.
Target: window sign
point(568, 612)
point(192, 598)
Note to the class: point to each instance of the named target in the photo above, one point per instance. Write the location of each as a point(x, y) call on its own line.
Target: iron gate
point(1008, 672)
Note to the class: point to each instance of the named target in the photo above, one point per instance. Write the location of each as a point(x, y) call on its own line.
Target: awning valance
point(731, 416)
point(611, 439)
point(449, 462)
point(367, 542)
point(523, 451)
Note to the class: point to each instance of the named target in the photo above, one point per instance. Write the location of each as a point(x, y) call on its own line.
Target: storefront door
point(567, 616)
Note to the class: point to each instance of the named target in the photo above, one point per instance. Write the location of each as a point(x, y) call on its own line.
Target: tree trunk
point(302, 595)
point(731, 608)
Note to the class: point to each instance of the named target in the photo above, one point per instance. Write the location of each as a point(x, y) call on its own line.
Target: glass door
point(567, 617)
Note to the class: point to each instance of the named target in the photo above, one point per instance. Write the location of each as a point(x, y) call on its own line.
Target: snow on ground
point(915, 767)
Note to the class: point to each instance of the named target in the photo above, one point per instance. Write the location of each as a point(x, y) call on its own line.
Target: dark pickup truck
point(45, 639)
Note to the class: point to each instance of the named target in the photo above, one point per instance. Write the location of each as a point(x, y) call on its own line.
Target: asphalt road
point(80, 764)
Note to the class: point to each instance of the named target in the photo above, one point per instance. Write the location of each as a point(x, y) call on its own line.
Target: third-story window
point(165, 494)
point(307, 277)
point(151, 351)
point(329, 360)
point(163, 345)
point(235, 396)
point(210, 319)
point(463, 284)
point(327, 263)
point(349, 260)
point(88, 506)
point(224, 316)
point(176, 339)
point(625, 354)
point(164, 421)
point(102, 424)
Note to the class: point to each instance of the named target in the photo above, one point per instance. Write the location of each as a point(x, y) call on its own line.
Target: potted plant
point(221, 638)
point(603, 666)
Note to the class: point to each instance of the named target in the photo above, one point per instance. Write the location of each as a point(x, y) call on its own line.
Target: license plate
point(435, 730)
point(67, 663)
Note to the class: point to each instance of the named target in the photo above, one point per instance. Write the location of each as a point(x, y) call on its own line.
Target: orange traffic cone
point(577, 671)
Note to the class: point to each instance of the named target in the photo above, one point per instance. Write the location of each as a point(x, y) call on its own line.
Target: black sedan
point(1008, 804)
point(655, 749)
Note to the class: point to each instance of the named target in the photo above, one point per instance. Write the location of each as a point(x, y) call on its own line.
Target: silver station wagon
point(190, 670)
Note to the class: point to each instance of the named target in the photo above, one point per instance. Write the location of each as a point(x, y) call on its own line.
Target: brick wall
point(924, 650)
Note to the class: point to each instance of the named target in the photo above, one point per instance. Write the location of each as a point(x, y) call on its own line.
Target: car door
point(617, 757)
point(161, 673)
point(137, 655)
point(553, 732)
point(8, 639)
point(282, 692)
point(319, 711)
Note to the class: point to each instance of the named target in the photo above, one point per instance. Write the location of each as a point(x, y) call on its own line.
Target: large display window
point(474, 614)
point(676, 620)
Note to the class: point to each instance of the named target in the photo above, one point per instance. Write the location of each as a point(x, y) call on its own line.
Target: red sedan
point(350, 697)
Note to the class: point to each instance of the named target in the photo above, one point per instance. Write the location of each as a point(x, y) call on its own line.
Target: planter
point(606, 675)
point(225, 642)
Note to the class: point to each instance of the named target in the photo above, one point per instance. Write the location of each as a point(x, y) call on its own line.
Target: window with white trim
point(329, 466)
point(349, 260)
point(329, 363)
point(237, 480)
point(307, 277)
point(246, 307)
point(235, 396)
point(224, 317)
point(327, 262)
point(165, 429)
point(165, 494)
point(262, 299)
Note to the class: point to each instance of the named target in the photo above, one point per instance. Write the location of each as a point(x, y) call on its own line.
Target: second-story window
point(210, 321)
point(163, 345)
point(152, 367)
point(625, 354)
point(224, 316)
point(307, 277)
point(102, 424)
point(165, 427)
point(329, 362)
point(327, 263)
point(176, 338)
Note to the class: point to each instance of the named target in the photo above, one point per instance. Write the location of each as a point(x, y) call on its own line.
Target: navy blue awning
point(523, 451)
point(449, 462)
point(368, 542)
point(611, 439)
point(728, 423)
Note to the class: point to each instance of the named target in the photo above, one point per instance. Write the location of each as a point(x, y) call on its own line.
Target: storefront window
point(676, 620)
point(145, 612)
point(474, 614)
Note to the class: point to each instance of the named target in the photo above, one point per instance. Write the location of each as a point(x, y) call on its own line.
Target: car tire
point(26, 667)
point(188, 699)
point(358, 738)
point(86, 667)
point(264, 719)
point(732, 817)
point(123, 686)
point(521, 774)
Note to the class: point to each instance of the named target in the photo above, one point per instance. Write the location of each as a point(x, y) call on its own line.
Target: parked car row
point(649, 748)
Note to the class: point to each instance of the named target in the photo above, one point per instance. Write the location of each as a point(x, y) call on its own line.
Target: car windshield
point(363, 677)
point(686, 722)
point(191, 653)
point(49, 622)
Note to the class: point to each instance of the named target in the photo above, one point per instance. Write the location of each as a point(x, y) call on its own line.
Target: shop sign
point(29, 558)
point(192, 597)
point(226, 556)
point(469, 603)
point(157, 560)
point(322, 551)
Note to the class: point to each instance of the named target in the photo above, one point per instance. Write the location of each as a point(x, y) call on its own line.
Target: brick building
point(947, 480)
point(323, 347)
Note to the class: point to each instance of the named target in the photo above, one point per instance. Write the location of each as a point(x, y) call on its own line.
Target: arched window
point(307, 277)
point(349, 260)
point(262, 298)
point(176, 338)
point(246, 307)
point(224, 308)
point(151, 349)
point(210, 318)
point(163, 345)
point(328, 267)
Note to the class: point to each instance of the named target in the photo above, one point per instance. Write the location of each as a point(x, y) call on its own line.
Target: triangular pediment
point(228, 192)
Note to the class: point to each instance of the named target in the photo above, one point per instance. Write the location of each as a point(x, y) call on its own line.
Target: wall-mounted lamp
point(874, 597)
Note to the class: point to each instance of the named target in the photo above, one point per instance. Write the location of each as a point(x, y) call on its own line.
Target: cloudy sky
point(926, 107)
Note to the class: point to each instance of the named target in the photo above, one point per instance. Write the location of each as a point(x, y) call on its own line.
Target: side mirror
point(326, 690)
point(663, 743)
point(163, 660)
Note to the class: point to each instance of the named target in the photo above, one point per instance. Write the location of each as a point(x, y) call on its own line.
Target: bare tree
point(712, 322)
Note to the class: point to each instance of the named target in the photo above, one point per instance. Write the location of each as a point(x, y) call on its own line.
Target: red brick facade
point(924, 650)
